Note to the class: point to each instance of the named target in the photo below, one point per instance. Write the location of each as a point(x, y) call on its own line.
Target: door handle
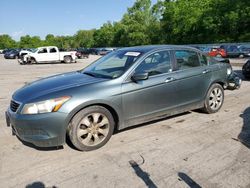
point(170, 79)
point(205, 71)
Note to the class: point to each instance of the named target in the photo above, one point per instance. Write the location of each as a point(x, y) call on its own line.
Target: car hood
point(53, 84)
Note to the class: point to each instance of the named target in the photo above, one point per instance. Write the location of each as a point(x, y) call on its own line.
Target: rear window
point(186, 59)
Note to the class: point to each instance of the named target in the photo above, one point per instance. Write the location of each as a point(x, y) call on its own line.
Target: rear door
point(53, 54)
point(193, 77)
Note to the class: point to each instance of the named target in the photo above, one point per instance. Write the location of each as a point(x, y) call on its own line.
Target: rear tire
point(67, 59)
point(214, 99)
point(91, 128)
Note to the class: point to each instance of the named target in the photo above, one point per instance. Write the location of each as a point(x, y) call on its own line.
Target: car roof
point(149, 48)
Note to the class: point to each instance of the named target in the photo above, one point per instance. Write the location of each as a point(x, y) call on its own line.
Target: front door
point(148, 98)
point(42, 55)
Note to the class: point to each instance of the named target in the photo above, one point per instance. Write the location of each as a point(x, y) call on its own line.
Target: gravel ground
point(188, 150)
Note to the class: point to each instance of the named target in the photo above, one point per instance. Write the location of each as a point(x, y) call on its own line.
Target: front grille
point(14, 106)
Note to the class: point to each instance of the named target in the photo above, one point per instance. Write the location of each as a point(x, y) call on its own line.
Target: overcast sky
point(58, 17)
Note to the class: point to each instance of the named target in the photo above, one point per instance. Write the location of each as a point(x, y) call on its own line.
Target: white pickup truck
point(48, 54)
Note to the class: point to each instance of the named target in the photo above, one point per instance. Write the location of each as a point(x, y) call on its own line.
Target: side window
point(187, 59)
point(42, 51)
point(203, 60)
point(211, 61)
point(157, 63)
point(52, 50)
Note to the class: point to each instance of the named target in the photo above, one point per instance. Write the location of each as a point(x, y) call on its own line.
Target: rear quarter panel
point(63, 54)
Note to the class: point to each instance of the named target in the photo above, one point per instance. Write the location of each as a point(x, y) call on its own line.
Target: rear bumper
point(42, 130)
point(234, 81)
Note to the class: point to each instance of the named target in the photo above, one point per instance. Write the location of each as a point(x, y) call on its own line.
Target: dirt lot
point(192, 149)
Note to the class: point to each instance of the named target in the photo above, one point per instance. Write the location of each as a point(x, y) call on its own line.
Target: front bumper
point(42, 130)
point(234, 81)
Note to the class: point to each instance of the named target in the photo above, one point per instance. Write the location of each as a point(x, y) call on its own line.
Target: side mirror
point(139, 76)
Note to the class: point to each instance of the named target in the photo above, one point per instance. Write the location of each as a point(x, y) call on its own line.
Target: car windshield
point(112, 65)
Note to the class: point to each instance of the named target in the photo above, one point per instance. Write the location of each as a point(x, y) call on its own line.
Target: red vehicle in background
point(217, 52)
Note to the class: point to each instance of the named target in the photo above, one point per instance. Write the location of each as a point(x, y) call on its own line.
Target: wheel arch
point(223, 84)
point(67, 56)
point(109, 107)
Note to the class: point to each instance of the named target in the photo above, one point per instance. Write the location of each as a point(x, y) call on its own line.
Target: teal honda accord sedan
point(127, 87)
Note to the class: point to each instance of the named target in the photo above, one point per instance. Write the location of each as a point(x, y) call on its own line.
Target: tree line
point(166, 22)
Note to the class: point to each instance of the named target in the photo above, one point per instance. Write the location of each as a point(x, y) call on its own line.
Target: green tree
point(104, 36)
point(7, 42)
point(137, 23)
point(50, 40)
point(83, 38)
point(206, 21)
point(30, 42)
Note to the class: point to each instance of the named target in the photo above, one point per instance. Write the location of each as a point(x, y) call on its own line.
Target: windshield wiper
point(89, 73)
point(97, 75)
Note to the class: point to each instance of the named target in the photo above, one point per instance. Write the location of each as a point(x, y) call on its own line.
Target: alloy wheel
point(215, 99)
point(93, 129)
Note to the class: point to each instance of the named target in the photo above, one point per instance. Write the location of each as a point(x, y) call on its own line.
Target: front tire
point(32, 61)
point(214, 99)
point(91, 128)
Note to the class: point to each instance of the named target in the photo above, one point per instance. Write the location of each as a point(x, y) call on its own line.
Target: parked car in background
point(48, 54)
point(246, 69)
point(82, 53)
point(217, 52)
point(231, 50)
point(124, 88)
point(12, 54)
point(244, 51)
point(105, 51)
point(1, 51)
point(93, 51)
point(214, 51)
point(7, 50)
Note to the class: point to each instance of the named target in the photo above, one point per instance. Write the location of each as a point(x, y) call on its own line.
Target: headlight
point(51, 105)
point(229, 71)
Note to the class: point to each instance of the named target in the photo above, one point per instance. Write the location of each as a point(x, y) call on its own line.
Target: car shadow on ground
point(153, 122)
point(244, 136)
point(38, 184)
